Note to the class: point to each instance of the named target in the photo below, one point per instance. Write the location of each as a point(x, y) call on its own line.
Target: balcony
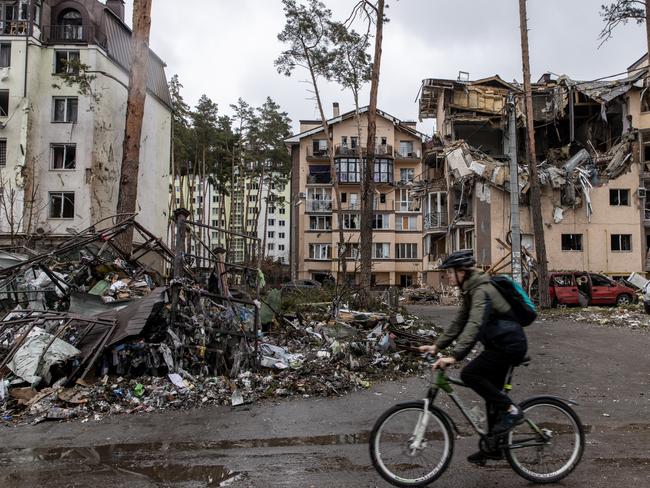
point(319, 179)
point(317, 154)
point(14, 27)
point(436, 221)
point(408, 154)
point(381, 150)
point(406, 206)
point(324, 206)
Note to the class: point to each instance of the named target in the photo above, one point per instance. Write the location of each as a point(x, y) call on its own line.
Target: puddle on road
point(143, 460)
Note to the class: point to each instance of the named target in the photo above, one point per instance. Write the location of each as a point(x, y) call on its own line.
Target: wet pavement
point(323, 442)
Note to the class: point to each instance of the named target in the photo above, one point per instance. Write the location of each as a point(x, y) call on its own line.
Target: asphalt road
point(322, 442)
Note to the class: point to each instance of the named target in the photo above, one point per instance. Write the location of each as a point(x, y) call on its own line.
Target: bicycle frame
point(444, 383)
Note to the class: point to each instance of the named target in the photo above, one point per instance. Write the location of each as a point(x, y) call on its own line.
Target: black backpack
point(522, 306)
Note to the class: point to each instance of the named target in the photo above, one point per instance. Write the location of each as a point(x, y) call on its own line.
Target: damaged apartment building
point(64, 76)
point(589, 162)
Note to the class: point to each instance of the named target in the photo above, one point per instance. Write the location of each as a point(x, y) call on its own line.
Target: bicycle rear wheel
point(392, 450)
point(550, 442)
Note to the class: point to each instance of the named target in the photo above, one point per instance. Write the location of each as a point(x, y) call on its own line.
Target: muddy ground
point(322, 442)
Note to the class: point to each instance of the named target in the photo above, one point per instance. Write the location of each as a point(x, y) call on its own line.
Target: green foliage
point(78, 74)
point(620, 12)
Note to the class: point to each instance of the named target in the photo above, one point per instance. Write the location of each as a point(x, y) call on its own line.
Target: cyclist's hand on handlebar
point(428, 349)
point(443, 363)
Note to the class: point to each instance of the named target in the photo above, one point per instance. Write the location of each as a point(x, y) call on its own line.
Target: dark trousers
point(486, 375)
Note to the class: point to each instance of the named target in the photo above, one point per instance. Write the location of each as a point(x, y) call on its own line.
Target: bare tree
point(620, 12)
point(128, 191)
point(535, 191)
point(308, 36)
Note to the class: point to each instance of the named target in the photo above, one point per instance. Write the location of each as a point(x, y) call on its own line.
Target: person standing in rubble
point(487, 317)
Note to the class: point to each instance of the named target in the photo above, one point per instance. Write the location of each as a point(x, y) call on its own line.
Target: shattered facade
point(397, 223)
point(60, 143)
point(589, 171)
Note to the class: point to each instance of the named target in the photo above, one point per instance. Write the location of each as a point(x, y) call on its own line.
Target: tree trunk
point(128, 191)
point(647, 28)
point(367, 181)
point(535, 191)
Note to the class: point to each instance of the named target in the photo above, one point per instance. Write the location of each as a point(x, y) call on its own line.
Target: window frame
point(406, 250)
point(5, 45)
point(65, 146)
point(385, 250)
point(66, 117)
point(619, 239)
point(67, 69)
point(615, 195)
point(323, 250)
point(2, 109)
point(63, 195)
point(577, 241)
point(3, 153)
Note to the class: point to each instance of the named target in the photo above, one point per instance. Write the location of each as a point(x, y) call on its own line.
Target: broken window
point(621, 242)
point(65, 109)
point(319, 147)
point(572, 242)
point(320, 223)
point(66, 62)
point(5, 55)
point(350, 221)
point(320, 251)
point(62, 205)
point(405, 222)
point(405, 280)
point(645, 101)
point(3, 152)
point(4, 103)
point(406, 251)
point(406, 174)
point(64, 156)
point(380, 221)
point(619, 198)
point(406, 149)
point(381, 250)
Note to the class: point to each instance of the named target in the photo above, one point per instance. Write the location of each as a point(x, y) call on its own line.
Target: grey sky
point(226, 48)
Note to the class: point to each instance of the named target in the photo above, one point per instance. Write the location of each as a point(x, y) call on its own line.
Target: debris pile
point(102, 333)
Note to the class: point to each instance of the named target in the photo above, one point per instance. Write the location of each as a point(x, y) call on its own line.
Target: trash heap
point(91, 332)
point(312, 355)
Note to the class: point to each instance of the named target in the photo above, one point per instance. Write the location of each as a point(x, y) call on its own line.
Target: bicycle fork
point(420, 428)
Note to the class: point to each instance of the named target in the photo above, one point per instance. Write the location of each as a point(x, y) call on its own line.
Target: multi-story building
point(397, 222)
point(262, 212)
point(589, 172)
point(64, 70)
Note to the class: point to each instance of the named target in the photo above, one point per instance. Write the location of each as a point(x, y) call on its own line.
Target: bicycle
point(544, 448)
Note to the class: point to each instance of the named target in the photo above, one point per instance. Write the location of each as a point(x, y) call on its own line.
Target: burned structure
point(589, 171)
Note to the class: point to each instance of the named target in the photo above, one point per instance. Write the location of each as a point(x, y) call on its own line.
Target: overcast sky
point(226, 48)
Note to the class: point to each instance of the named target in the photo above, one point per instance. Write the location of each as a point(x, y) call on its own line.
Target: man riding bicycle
point(487, 317)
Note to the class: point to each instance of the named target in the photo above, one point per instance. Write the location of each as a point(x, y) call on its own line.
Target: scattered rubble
point(631, 317)
point(90, 331)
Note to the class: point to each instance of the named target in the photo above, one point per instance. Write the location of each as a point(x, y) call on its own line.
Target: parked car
point(582, 288)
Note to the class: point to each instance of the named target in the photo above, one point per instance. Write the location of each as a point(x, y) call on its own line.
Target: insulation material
point(558, 215)
point(457, 163)
point(38, 354)
point(477, 168)
point(483, 192)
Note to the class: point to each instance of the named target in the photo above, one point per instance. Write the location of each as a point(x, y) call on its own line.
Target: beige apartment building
point(398, 223)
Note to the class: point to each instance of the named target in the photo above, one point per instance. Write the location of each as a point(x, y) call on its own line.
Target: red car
point(582, 288)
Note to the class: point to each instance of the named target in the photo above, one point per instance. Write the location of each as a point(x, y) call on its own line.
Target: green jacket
point(481, 300)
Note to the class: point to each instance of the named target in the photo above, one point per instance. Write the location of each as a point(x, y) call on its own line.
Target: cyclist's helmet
point(459, 259)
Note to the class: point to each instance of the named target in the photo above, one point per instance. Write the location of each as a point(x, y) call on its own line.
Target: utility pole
point(515, 230)
point(535, 192)
point(128, 191)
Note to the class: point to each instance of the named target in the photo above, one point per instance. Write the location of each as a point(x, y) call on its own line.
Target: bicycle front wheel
point(550, 442)
point(396, 453)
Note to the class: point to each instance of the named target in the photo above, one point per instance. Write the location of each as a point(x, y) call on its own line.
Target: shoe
point(507, 421)
point(481, 457)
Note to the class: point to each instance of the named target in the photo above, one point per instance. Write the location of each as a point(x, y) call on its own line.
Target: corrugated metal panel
point(118, 44)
